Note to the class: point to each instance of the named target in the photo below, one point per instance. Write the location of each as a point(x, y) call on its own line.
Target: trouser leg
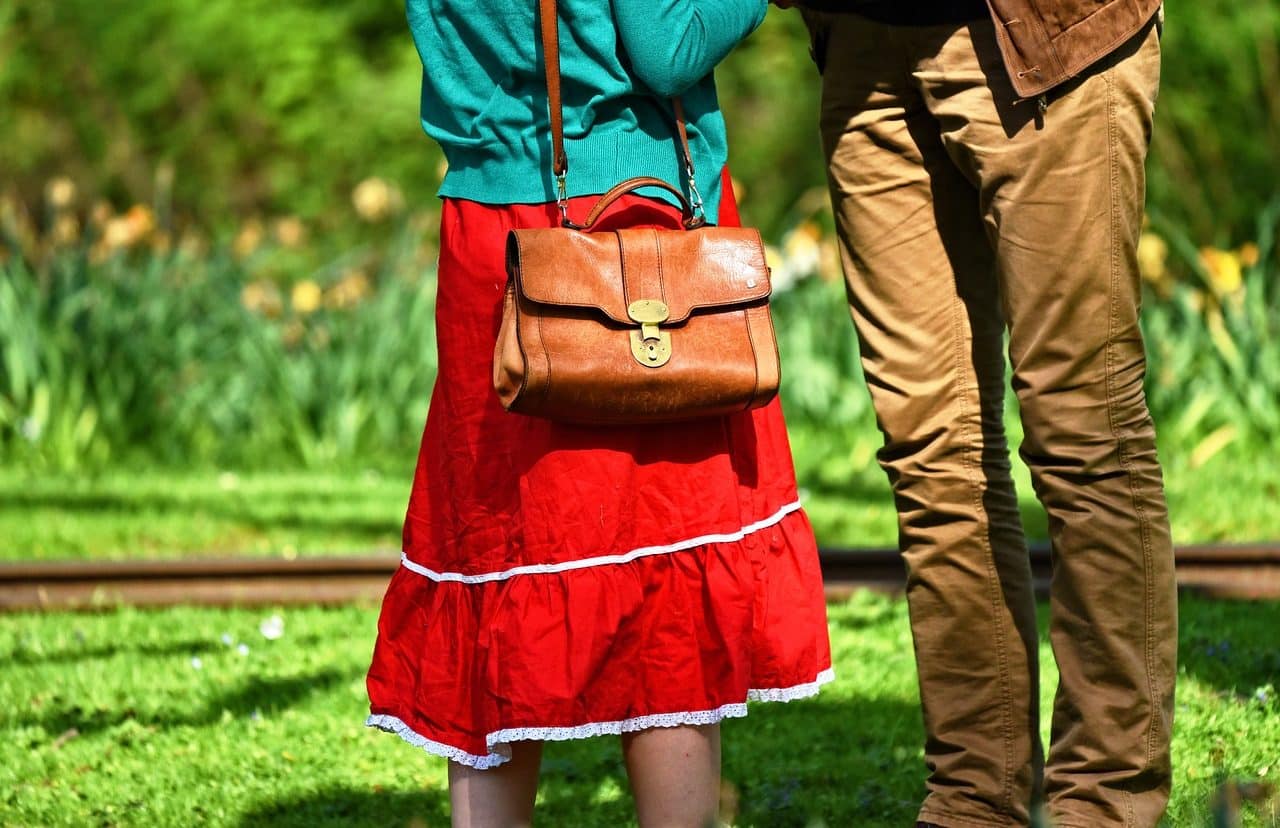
point(923, 296)
point(1061, 196)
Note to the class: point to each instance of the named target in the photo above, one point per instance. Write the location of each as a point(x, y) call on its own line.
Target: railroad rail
point(1246, 571)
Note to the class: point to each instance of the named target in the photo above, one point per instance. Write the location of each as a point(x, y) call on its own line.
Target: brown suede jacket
point(1046, 42)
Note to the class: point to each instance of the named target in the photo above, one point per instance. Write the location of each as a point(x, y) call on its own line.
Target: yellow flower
point(1153, 252)
point(801, 256)
point(1223, 269)
point(141, 221)
point(193, 245)
point(129, 229)
point(262, 297)
point(375, 199)
point(116, 233)
point(60, 192)
point(350, 289)
point(248, 239)
point(1248, 254)
point(66, 230)
point(305, 297)
point(290, 231)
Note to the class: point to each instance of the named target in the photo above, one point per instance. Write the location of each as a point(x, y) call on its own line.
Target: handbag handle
point(692, 212)
point(689, 219)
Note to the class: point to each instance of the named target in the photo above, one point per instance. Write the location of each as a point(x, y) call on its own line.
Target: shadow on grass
point(345, 806)
point(838, 760)
point(841, 761)
point(65, 655)
point(1230, 645)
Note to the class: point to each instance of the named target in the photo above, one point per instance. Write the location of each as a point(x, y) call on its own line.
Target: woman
point(564, 581)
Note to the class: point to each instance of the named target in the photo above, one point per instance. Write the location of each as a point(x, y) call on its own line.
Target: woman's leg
point(500, 797)
point(675, 775)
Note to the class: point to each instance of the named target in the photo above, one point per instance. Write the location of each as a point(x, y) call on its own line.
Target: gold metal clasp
point(651, 346)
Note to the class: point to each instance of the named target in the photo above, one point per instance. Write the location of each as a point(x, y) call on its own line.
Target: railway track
point(1238, 571)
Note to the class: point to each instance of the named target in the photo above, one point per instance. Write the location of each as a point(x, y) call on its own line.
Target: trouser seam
point(1118, 437)
point(993, 587)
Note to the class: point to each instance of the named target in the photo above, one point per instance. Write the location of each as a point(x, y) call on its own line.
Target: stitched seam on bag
point(601, 560)
point(755, 358)
point(662, 279)
point(622, 266)
point(542, 343)
point(517, 294)
point(768, 315)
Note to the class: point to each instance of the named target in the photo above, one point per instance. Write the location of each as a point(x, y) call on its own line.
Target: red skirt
point(561, 581)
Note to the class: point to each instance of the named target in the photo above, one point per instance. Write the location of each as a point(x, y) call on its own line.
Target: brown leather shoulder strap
point(684, 136)
point(551, 63)
point(548, 24)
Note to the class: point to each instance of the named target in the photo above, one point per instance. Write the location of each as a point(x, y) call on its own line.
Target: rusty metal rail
point(1241, 571)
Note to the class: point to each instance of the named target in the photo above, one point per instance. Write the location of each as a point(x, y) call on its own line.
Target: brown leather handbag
point(632, 326)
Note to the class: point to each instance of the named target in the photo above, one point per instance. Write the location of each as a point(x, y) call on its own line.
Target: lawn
point(163, 718)
point(159, 514)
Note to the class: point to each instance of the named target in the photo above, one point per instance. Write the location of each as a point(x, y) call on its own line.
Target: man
point(986, 170)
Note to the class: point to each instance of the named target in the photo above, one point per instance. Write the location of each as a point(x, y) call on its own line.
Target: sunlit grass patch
point(194, 715)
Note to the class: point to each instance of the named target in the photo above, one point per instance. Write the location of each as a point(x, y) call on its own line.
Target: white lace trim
point(602, 560)
point(499, 742)
point(498, 753)
point(799, 691)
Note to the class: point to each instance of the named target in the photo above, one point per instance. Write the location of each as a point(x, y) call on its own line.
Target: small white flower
point(227, 639)
point(196, 663)
point(243, 649)
point(272, 628)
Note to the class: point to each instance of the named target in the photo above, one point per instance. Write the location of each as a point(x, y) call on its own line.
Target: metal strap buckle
point(562, 198)
point(695, 197)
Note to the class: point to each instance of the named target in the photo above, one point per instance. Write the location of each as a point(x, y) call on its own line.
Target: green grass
point(172, 514)
point(104, 719)
point(162, 514)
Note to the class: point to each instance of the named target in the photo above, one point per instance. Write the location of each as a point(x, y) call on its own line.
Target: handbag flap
point(685, 269)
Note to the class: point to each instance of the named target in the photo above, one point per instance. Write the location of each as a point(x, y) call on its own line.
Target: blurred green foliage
point(129, 335)
point(187, 360)
point(269, 356)
point(255, 106)
point(280, 108)
point(1216, 149)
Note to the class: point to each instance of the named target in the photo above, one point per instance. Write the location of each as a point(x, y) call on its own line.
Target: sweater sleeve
point(673, 44)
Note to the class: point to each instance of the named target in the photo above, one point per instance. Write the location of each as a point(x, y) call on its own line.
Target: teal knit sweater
point(484, 95)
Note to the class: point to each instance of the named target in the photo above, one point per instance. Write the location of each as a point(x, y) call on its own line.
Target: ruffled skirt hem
point(499, 741)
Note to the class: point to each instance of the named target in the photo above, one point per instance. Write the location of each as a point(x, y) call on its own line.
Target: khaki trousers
point(963, 214)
